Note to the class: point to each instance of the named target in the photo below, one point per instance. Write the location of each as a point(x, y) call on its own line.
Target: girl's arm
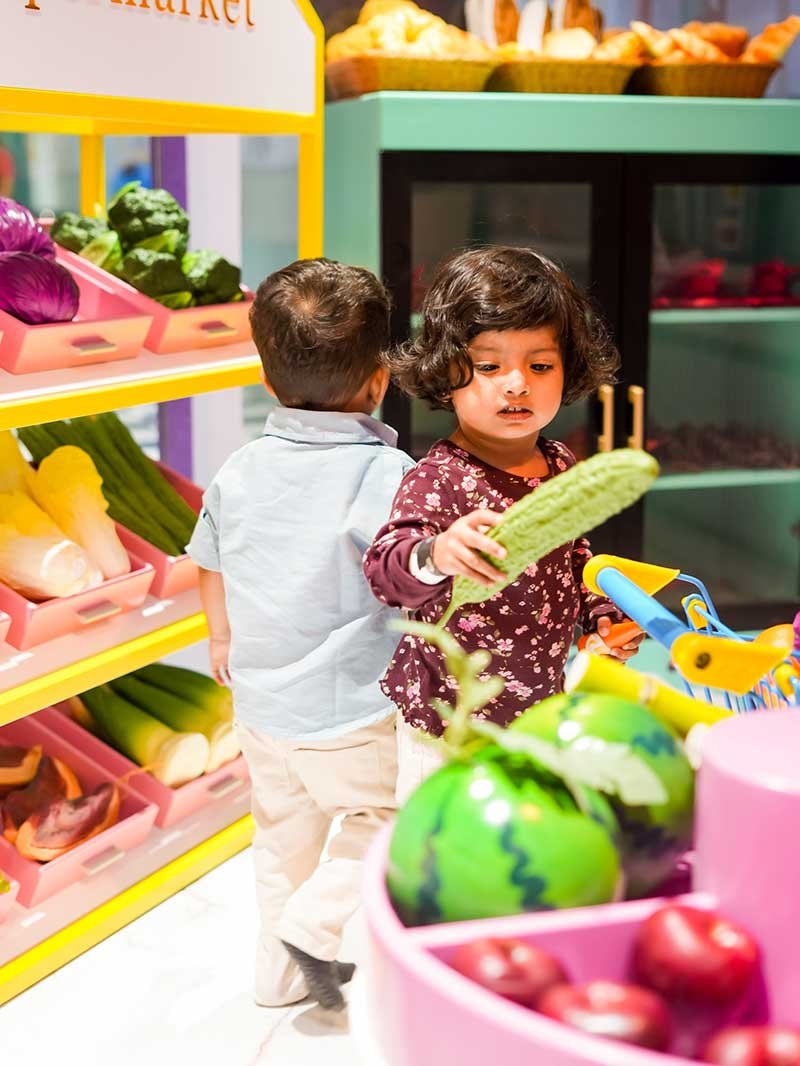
point(212, 597)
point(428, 505)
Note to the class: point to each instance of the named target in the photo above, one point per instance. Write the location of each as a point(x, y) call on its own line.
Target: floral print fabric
point(528, 627)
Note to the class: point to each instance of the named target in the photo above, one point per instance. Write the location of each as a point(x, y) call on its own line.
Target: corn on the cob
point(559, 511)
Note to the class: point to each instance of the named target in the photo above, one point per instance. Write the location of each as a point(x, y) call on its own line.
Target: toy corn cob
point(562, 509)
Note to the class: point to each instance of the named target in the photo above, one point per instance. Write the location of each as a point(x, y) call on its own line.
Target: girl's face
point(517, 387)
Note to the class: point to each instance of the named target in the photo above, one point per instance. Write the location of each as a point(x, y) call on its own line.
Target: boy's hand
point(623, 651)
point(456, 550)
point(218, 652)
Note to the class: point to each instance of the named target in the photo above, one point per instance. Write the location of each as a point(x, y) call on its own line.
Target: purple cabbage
point(36, 290)
point(20, 232)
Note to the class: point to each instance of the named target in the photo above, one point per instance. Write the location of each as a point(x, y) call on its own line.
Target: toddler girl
point(506, 339)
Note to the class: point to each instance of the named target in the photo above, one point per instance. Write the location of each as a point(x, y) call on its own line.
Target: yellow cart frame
point(91, 118)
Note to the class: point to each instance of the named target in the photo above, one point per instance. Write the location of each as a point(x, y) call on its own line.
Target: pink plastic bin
point(748, 818)
point(37, 881)
point(7, 899)
point(173, 573)
point(107, 327)
point(173, 804)
point(185, 330)
point(33, 623)
point(5, 625)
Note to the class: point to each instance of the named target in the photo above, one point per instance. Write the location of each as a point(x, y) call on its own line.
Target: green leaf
point(121, 192)
point(600, 764)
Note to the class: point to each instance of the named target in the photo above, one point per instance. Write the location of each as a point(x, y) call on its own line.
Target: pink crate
point(748, 807)
point(173, 573)
point(173, 804)
point(33, 623)
point(108, 327)
point(7, 899)
point(5, 625)
point(185, 330)
point(38, 881)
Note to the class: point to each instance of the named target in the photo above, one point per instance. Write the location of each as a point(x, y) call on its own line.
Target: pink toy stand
point(424, 1013)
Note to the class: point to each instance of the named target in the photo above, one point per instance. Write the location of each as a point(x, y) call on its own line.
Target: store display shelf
point(725, 479)
point(36, 941)
point(725, 316)
point(30, 680)
point(29, 399)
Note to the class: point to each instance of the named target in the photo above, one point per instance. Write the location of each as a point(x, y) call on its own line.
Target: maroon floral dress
point(528, 627)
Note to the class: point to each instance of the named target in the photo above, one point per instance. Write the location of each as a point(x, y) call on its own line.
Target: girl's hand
point(622, 652)
point(456, 550)
point(218, 651)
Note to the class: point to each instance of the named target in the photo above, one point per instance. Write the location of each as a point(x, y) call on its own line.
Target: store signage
point(216, 10)
point(254, 54)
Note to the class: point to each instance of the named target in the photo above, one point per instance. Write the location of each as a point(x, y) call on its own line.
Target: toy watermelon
point(490, 836)
point(653, 836)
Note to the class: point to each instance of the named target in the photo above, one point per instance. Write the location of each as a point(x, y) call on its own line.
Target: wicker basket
point(561, 76)
point(704, 79)
point(356, 75)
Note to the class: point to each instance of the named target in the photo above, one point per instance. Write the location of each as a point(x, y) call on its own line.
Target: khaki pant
point(417, 759)
point(298, 788)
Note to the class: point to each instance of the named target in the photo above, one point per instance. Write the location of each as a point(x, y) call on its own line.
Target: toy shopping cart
point(718, 666)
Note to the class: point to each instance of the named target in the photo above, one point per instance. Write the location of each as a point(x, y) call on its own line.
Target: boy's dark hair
point(321, 328)
point(499, 288)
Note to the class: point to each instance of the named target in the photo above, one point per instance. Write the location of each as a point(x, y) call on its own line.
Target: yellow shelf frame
point(60, 684)
point(74, 939)
point(92, 399)
point(92, 118)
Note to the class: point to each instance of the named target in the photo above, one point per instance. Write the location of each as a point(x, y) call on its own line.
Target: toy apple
point(693, 954)
point(754, 1045)
point(512, 968)
point(612, 1009)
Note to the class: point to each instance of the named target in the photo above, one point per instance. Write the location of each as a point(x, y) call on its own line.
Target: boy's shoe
point(345, 971)
point(321, 977)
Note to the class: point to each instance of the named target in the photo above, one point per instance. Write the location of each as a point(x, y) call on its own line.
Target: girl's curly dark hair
point(499, 288)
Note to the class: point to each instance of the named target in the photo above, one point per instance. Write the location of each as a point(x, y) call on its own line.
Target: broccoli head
point(212, 278)
point(74, 232)
point(157, 275)
point(137, 213)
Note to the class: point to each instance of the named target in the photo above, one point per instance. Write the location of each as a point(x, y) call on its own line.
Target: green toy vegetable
point(74, 232)
point(557, 512)
point(156, 274)
point(137, 213)
point(104, 251)
point(212, 278)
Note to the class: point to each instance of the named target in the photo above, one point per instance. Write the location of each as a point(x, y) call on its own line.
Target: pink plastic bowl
point(748, 821)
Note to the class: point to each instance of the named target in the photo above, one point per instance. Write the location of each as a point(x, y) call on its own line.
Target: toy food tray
point(173, 573)
point(703, 79)
point(173, 804)
point(561, 76)
point(37, 880)
point(33, 623)
point(356, 75)
point(107, 327)
point(7, 898)
point(184, 330)
point(420, 1008)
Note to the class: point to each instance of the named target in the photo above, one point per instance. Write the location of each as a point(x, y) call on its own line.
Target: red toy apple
point(754, 1045)
point(512, 968)
point(695, 955)
point(609, 1008)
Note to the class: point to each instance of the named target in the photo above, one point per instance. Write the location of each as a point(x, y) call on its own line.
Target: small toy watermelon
point(489, 835)
point(652, 836)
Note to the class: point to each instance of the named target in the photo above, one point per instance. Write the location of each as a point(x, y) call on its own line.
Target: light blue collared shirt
point(287, 521)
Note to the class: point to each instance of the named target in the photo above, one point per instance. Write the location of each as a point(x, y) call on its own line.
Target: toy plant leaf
point(563, 508)
point(609, 767)
point(473, 691)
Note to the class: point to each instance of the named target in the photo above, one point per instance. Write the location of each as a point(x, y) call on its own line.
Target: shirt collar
point(327, 427)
